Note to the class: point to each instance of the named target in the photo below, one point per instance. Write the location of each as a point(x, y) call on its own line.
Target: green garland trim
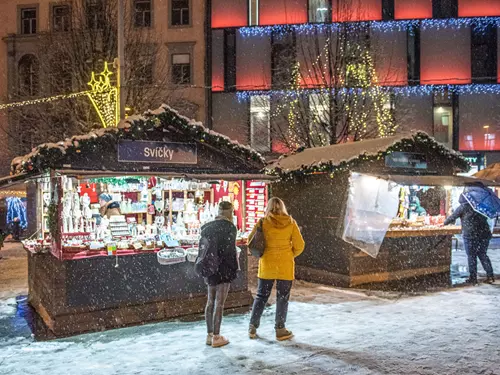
point(52, 220)
point(420, 139)
point(47, 156)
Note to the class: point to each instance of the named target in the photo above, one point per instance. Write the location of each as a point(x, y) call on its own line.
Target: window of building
point(260, 123)
point(319, 119)
point(181, 68)
point(253, 12)
point(443, 118)
point(94, 10)
point(28, 76)
point(444, 8)
point(283, 59)
point(28, 21)
point(230, 59)
point(144, 72)
point(413, 48)
point(320, 11)
point(143, 10)
point(484, 54)
point(180, 13)
point(61, 18)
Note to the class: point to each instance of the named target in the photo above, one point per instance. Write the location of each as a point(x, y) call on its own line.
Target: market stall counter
point(118, 218)
point(373, 211)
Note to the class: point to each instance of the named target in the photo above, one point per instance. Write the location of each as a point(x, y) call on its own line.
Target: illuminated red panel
point(232, 13)
point(390, 56)
point(478, 8)
point(412, 9)
point(279, 12)
point(445, 56)
point(253, 73)
point(357, 10)
point(218, 60)
point(279, 147)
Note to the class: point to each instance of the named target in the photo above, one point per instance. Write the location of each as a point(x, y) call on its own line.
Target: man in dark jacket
point(221, 236)
point(476, 234)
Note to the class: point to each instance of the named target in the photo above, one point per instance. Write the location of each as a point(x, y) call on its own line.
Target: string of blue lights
point(480, 24)
point(405, 91)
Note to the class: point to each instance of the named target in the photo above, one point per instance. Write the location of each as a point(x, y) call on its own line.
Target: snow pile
point(450, 332)
point(335, 155)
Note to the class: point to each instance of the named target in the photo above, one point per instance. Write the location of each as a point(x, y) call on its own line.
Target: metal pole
point(121, 58)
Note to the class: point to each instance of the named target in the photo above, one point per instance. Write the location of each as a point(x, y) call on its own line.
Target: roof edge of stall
point(164, 119)
point(338, 157)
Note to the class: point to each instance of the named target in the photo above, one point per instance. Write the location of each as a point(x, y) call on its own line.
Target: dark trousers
point(283, 288)
point(477, 248)
point(215, 307)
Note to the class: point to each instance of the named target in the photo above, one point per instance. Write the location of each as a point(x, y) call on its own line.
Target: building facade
point(438, 60)
point(174, 29)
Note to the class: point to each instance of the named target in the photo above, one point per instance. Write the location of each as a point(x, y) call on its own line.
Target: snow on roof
point(20, 163)
point(345, 152)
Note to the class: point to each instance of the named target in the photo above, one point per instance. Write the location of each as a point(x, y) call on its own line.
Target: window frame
point(151, 15)
point(268, 146)
point(97, 16)
point(171, 13)
point(190, 65)
point(329, 12)
point(34, 77)
point(20, 10)
point(53, 8)
point(250, 14)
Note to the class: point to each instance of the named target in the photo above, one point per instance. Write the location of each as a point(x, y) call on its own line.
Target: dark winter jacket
point(474, 225)
point(221, 234)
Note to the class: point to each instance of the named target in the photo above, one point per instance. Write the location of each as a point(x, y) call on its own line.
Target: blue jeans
point(283, 288)
point(477, 248)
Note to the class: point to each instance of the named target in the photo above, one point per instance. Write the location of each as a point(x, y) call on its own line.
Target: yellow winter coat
point(283, 243)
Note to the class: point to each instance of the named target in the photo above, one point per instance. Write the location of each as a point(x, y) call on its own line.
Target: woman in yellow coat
point(283, 243)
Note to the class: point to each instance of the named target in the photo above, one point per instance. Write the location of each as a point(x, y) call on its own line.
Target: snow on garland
point(165, 119)
point(405, 143)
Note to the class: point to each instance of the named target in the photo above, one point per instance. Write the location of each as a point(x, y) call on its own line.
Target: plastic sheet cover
point(371, 206)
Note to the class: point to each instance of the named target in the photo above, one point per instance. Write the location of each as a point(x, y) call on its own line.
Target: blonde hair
point(276, 206)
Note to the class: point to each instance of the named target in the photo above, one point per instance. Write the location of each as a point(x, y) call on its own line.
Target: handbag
point(257, 244)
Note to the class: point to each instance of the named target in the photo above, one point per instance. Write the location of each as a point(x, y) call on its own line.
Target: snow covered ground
point(448, 332)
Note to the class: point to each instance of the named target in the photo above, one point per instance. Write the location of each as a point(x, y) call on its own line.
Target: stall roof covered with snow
point(348, 156)
point(160, 141)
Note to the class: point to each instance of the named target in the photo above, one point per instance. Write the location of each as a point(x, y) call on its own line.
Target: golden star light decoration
point(104, 97)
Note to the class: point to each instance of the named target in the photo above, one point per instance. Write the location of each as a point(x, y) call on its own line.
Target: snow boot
point(210, 337)
point(490, 280)
point(219, 341)
point(252, 331)
point(471, 281)
point(283, 334)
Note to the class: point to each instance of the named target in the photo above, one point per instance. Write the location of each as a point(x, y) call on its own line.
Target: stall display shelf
point(423, 232)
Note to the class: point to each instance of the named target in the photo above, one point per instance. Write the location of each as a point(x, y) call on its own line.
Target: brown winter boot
point(283, 334)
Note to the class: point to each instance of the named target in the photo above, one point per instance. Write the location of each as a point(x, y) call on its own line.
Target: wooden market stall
point(371, 211)
point(167, 174)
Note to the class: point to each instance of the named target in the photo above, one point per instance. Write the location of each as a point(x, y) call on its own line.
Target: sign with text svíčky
point(157, 152)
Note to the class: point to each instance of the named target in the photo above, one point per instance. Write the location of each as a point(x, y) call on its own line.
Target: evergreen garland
point(166, 119)
point(418, 140)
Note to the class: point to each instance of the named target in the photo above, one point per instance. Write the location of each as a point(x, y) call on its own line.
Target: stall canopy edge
point(433, 180)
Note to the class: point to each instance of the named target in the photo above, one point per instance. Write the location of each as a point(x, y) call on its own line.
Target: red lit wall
point(478, 8)
point(479, 125)
point(445, 56)
point(412, 9)
point(231, 13)
point(278, 12)
point(253, 62)
point(218, 60)
point(389, 52)
point(357, 10)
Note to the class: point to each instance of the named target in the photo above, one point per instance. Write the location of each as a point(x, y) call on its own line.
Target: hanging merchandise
point(152, 182)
